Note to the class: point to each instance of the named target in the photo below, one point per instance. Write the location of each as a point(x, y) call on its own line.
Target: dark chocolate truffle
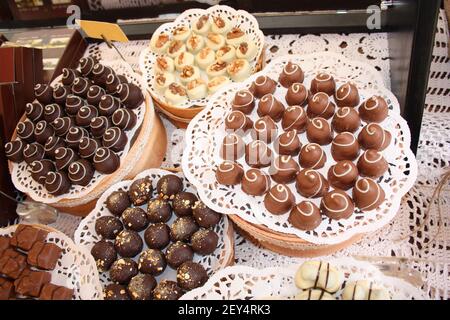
point(288, 143)
point(43, 93)
point(372, 164)
point(264, 129)
point(112, 81)
point(343, 174)
point(106, 161)
point(183, 203)
point(60, 94)
point(141, 191)
point(255, 182)
point(73, 104)
point(320, 105)
point(337, 205)
point(204, 241)
point(99, 126)
point(104, 255)
point(108, 105)
point(168, 186)
point(40, 169)
point(135, 219)
point(158, 210)
point(183, 228)
point(284, 169)
point(305, 216)
point(42, 132)
point(117, 202)
point(270, 106)
point(367, 194)
point(157, 236)
point(243, 101)
point(167, 290)
point(238, 122)
point(33, 152)
point(373, 136)
point(125, 119)
point(100, 74)
point(177, 253)
point(128, 243)
point(130, 95)
point(69, 76)
point(85, 115)
point(34, 111)
point(57, 183)
point(81, 87)
point(62, 126)
point(87, 65)
point(88, 147)
point(229, 173)
point(14, 150)
point(258, 154)
point(191, 275)
point(232, 147)
point(94, 95)
point(318, 130)
point(115, 139)
point(64, 157)
point(311, 184)
point(296, 95)
point(25, 131)
point(141, 287)
point(346, 119)
point(263, 85)
point(294, 118)
point(114, 291)
point(204, 216)
point(123, 270)
point(81, 172)
point(279, 199)
point(374, 109)
point(323, 82)
point(108, 227)
point(347, 95)
point(75, 135)
point(152, 261)
point(344, 147)
point(291, 73)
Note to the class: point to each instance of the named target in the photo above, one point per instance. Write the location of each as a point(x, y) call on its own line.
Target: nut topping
point(218, 66)
point(243, 47)
point(162, 39)
point(175, 46)
point(195, 83)
point(235, 33)
point(179, 30)
point(177, 89)
point(187, 72)
point(236, 65)
point(219, 22)
point(223, 51)
point(162, 63)
point(201, 21)
point(214, 38)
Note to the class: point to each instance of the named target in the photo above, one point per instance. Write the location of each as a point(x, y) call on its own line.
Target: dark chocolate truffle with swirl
point(238, 122)
point(373, 136)
point(204, 241)
point(62, 126)
point(57, 183)
point(100, 74)
point(39, 170)
point(297, 94)
point(312, 156)
point(243, 101)
point(191, 275)
point(85, 115)
point(204, 216)
point(284, 169)
point(168, 186)
point(108, 227)
point(258, 154)
point(288, 143)
point(104, 255)
point(157, 236)
point(337, 205)
point(130, 95)
point(69, 76)
point(125, 119)
point(294, 118)
point(52, 112)
point(88, 147)
point(52, 144)
point(123, 270)
point(140, 191)
point(108, 105)
point(43, 93)
point(229, 173)
point(263, 85)
point(318, 130)
point(374, 109)
point(73, 104)
point(264, 129)
point(117, 202)
point(372, 164)
point(232, 147)
point(305, 216)
point(128, 243)
point(106, 161)
point(42, 132)
point(81, 172)
point(344, 147)
point(64, 157)
point(112, 81)
point(279, 199)
point(183, 228)
point(343, 174)
point(33, 152)
point(323, 82)
point(25, 131)
point(291, 73)
point(14, 150)
point(347, 95)
point(269, 106)
point(99, 125)
point(94, 95)
point(255, 182)
point(346, 119)
point(152, 261)
point(367, 194)
point(81, 87)
point(158, 210)
point(34, 111)
point(177, 253)
point(114, 139)
point(87, 65)
point(320, 105)
point(60, 94)
point(74, 136)
point(311, 184)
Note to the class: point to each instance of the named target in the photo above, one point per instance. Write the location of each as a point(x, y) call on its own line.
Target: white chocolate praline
point(181, 33)
point(246, 50)
point(314, 294)
point(239, 70)
point(175, 94)
point(184, 59)
point(164, 64)
point(220, 25)
point(239, 37)
point(195, 43)
point(174, 48)
point(226, 54)
point(216, 83)
point(201, 25)
point(364, 290)
point(215, 41)
point(163, 80)
point(318, 274)
point(197, 89)
point(189, 73)
point(216, 69)
point(159, 42)
point(205, 57)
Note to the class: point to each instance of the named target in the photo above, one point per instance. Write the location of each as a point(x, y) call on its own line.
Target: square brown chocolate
point(4, 244)
point(30, 282)
point(6, 289)
point(12, 263)
point(51, 291)
point(25, 236)
point(44, 255)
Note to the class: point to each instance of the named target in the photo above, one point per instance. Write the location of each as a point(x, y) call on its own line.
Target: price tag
point(102, 30)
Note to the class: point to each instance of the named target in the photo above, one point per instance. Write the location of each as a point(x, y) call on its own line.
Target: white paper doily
point(76, 269)
point(238, 18)
point(244, 283)
point(205, 134)
point(86, 236)
point(21, 176)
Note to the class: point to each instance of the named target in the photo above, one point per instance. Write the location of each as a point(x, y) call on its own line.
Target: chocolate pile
point(25, 258)
point(138, 243)
point(76, 128)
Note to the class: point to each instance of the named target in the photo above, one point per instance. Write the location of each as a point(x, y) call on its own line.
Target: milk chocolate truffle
point(158, 210)
point(294, 118)
point(57, 183)
point(305, 216)
point(85, 115)
point(42, 132)
point(291, 73)
point(311, 184)
point(125, 119)
point(367, 194)
point(108, 227)
point(115, 139)
point(123, 270)
point(347, 95)
point(43, 93)
point(152, 261)
point(288, 143)
point(100, 73)
point(141, 191)
point(94, 95)
point(106, 161)
point(74, 137)
point(99, 125)
point(258, 154)
point(81, 172)
point(373, 136)
point(183, 228)
point(14, 150)
point(233, 147)
point(243, 101)
point(255, 182)
point(87, 65)
point(64, 157)
point(167, 290)
point(168, 186)
point(33, 152)
point(130, 95)
point(191, 275)
point(88, 147)
point(346, 119)
point(25, 131)
point(135, 219)
point(312, 156)
point(284, 169)
point(343, 174)
point(60, 94)
point(177, 253)
point(320, 105)
point(108, 105)
point(204, 241)
point(279, 199)
point(62, 126)
point(128, 243)
point(69, 76)
point(270, 106)
point(337, 205)
point(263, 85)
point(204, 216)
point(318, 130)
point(372, 164)
point(374, 109)
point(141, 287)
point(81, 87)
point(238, 122)
point(104, 255)
point(112, 81)
point(344, 147)
point(296, 94)
point(264, 129)
point(157, 236)
point(117, 202)
point(183, 203)
point(40, 169)
point(323, 82)
point(114, 291)
point(229, 173)
point(34, 111)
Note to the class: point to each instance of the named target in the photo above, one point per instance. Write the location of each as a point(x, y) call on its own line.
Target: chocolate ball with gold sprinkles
point(204, 241)
point(104, 255)
point(123, 270)
point(168, 186)
point(108, 227)
point(157, 236)
point(141, 191)
point(183, 203)
point(158, 210)
point(167, 290)
point(191, 275)
point(128, 243)
point(204, 216)
point(183, 228)
point(177, 253)
point(114, 291)
point(141, 287)
point(152, 261)
point(135, 219)
point(117, 202)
